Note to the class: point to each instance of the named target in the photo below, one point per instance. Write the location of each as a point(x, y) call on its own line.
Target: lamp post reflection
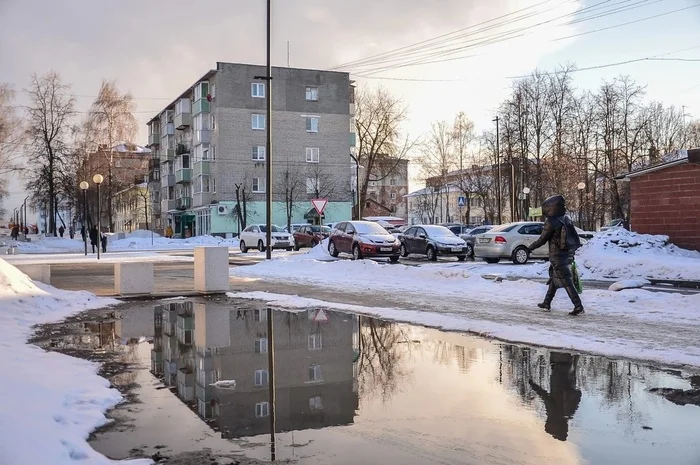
point(271, 389)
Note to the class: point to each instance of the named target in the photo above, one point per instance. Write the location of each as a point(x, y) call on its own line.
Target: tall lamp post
point(526, 213)
point(357, 185)
point(498, 166)
point(581, 186)
point(84, 187)
point(97, 179)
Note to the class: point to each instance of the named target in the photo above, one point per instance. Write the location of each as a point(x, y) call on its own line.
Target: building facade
point(387, 188)
point(664, 199)
point(210, 142)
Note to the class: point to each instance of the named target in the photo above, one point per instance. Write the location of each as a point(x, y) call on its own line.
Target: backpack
point(568, 237)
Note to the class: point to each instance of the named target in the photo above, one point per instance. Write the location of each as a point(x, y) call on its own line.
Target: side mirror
point(422, 236)
point(352, 233)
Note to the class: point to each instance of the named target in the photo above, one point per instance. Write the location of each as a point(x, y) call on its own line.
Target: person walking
point(71, 232)
point(561, 252)
point(103, 240)
point(169, 232)
point(82, 232)
point(61, 230)
point(94, 237)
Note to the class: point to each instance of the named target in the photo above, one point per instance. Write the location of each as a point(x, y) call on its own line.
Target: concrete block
point(211, 269)
point(41, 273)
point(133, 278)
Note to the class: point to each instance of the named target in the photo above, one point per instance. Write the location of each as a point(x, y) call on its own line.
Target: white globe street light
point(97, 179)
point(84, 187)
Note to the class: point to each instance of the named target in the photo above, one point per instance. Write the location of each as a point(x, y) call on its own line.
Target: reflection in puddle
point(352, 389)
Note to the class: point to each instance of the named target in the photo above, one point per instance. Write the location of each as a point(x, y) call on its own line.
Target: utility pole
point(498, 179)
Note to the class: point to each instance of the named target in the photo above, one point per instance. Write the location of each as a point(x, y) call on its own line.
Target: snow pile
point(628, 284)
point(142, 234)
point(142, 241)
point(41, 244)
point(618, 253)
point(50, 402)
point(225, 384)
point(320, 253)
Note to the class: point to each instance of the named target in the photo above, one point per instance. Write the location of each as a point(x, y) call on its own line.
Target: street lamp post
point(526, 192)
point(498, 168)
point(84, 187)
point(97, 179)
point(357, 184)
point(581, 186)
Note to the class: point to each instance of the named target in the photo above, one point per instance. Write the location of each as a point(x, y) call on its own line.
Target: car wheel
point(261, 246)
point(521, 255)
point(492, 260)
point(297, 246)
point(470, 250)
point(404, 252)
point(332, 250)
point(461, 258)
point(431, 254)
point(288, 249)
point(244, 248)
point(356, 254)
point(394, 258)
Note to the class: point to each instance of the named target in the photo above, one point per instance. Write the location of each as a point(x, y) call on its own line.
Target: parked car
point(310, 236)
point(587, 235)
point(617, 223)
point(470, 237)
point(457, 229)
point(363, 239)
point(255, 236)
point(432, 241)
point(510, 241)
point(295, 227)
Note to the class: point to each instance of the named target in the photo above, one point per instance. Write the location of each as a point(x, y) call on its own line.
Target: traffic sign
point(319, 205)
point(461, 201)
point(320, 316)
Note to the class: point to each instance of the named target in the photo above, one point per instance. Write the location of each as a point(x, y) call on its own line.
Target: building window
point(393, 196)
point(311, 185)
point(213, 91)
point(392, 181)
point(373, 184)
point(261, 377)
point(213, 152)
point(312, 93)
point(213, 122)
point(312, 154)
point(200, 90)
point(262, 409)
point(258, 185)
point(213, 185)
point(315, 342)
point(261, 345)
point(205, 183)
point(315, 403)
point(205, 154)
point(257, 89)
point(258, 153)
point(312, 123)
point(260, 315)
point(258, 121)
point(315, 373)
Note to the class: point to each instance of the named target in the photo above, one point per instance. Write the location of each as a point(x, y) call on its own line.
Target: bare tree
point(11, 138)
point(438, 159)
point(378, 121)
point(49, 117)
point(462, 136)
point(111, 122)
point(290, 190)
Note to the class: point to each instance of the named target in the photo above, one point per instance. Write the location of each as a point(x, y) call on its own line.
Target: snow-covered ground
point(135, 241)
point(49, 402)
point(631, 323)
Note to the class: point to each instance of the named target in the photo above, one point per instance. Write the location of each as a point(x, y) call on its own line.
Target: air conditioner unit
point(222, 209)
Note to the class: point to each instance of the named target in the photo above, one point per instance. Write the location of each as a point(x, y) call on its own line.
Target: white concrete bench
point(211, 269)
point(133, 278)
point(41, 273)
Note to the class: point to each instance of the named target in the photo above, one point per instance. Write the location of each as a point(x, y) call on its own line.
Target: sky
point(158, 48)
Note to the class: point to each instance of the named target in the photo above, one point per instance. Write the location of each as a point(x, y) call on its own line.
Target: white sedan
point(254, 236)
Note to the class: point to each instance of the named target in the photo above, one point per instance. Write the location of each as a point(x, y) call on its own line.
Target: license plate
point(456, 249)
point(282, 244)
point(483, 240)
point(385, 249)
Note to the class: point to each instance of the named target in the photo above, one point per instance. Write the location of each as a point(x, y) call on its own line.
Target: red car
point(363, 239)
point(310, 236)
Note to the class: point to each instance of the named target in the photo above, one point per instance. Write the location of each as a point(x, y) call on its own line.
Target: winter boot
point(547, 302)
point(575, 299)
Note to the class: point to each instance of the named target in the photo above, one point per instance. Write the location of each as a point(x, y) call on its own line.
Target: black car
point(432, 241)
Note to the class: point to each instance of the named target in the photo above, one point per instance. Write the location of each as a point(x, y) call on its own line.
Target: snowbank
point(50, 402)
point(141, 240)
point(320, 253)
point(618, 253)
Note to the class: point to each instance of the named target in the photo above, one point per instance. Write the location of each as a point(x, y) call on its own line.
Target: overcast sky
point(156, 48)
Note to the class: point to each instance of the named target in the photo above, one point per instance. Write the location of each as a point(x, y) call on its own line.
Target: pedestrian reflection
point(564, 398)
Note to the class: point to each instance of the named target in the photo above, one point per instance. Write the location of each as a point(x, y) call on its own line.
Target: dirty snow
point(50, 402)
point(629, 284)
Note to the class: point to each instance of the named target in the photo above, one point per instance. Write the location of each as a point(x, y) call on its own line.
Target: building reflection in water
point(203, 350)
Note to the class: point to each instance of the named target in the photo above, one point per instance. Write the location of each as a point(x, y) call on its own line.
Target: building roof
point(676, 158)
point(185, 93)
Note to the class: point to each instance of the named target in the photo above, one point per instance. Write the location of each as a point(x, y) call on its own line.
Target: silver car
point(470, 237)
point(510, 241)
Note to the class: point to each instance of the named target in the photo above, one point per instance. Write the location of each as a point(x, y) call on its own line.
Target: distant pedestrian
point(82, 232)
point(61, 230)
point(14, 234)
point(560, 251)
point(169, 232)
point(94, 238)
point(71, 232)
point(103, 239)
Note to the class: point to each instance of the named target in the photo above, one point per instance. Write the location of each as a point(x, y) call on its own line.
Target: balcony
point(200, 106)
point(353, 139)
point(201, 199)
point(201, 167)
point(153, 139)
point(183, 203)
point(167, 180)
point(183, 175)
point(202, 137)
point(168, 205)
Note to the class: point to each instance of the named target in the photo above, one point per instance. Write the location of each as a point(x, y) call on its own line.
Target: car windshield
point(437, 231)
point(369, 228)
point(263, 228)
point(503, 228)
point(324, 229)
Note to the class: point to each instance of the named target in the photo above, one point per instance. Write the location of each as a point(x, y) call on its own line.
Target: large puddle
point(358, 390)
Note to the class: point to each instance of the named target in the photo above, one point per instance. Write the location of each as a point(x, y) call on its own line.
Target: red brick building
point(388, 184)
point(665, 199)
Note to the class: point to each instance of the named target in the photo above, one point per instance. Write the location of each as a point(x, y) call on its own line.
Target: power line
point(95, 96)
